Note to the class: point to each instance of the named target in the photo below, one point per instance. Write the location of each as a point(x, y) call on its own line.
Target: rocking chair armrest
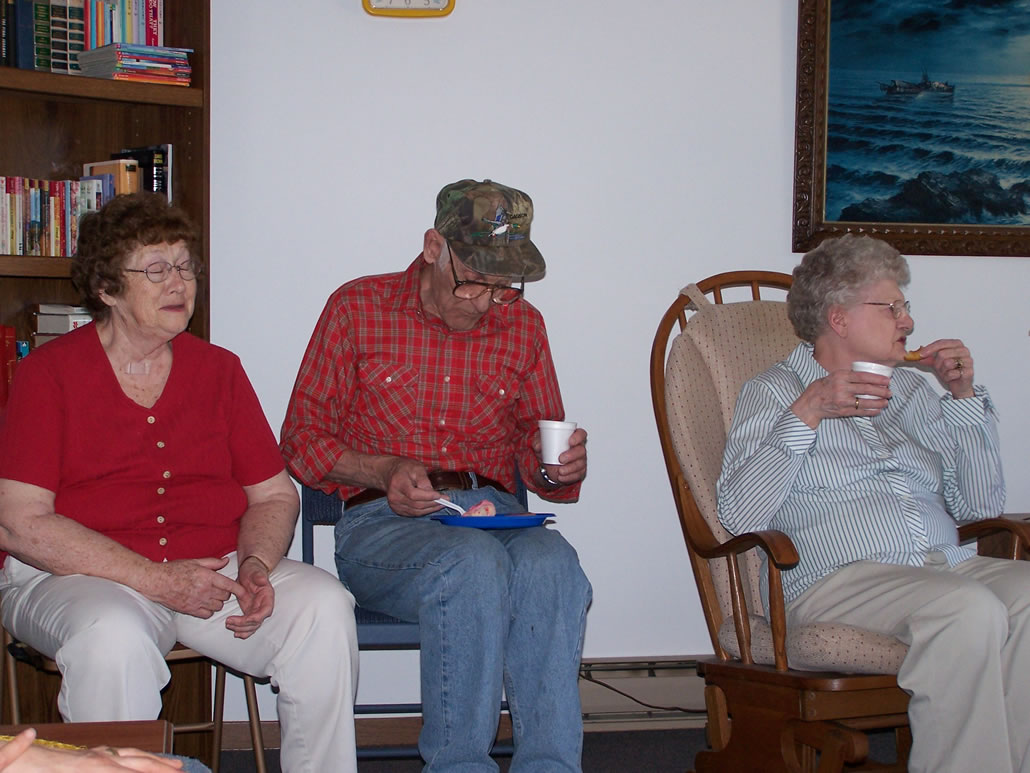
point(775, 544)
point(782, 555)
point(1007, 523)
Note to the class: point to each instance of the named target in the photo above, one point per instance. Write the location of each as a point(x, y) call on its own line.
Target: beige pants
point(968, 663)
point(109, 642)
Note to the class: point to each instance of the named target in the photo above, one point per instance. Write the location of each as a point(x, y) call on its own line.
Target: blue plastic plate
point(512, 521)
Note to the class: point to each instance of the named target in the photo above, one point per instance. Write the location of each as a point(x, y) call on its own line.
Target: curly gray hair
point(834, 273)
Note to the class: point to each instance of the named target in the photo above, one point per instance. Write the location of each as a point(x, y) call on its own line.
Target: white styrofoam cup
point(554, 439)
point(872, 367)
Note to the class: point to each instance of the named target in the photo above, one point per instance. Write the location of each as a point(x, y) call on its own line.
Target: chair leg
point(836, 745)
point(255, 724)
point(903, 742)
point(717, 728)
point(10, 667)
point(217, 717)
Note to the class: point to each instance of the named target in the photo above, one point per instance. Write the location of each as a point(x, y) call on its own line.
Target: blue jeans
point(494, 607)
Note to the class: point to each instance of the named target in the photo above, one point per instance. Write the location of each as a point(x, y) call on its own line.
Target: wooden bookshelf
point(53, 124)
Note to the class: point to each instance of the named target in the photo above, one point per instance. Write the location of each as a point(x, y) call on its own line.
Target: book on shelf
point(5, 219)
point(155, 167)
point(32, 220)
point(125, 171)
point(74, 211)
point(76, 33)
point(52, 219)
point(23, 47)
point(5, 52)
point(58, 308)
point(154, 32)
point(41, 34)
point(59, 36)
point(102, 186)
point(15, 202)
point(38, 339)
point(59, 323)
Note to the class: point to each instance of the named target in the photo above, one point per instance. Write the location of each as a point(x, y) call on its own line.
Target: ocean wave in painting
point(931, 157)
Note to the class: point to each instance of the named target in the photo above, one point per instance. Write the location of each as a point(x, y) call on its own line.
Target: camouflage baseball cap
point(487, 226)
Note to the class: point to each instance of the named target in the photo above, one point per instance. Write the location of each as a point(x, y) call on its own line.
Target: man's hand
point(408, 489)
point(836, 396)
point(573, 467)
point(257, 599)
point(191, 586)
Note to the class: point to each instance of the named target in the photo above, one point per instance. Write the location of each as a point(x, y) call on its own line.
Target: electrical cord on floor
point(587, 677)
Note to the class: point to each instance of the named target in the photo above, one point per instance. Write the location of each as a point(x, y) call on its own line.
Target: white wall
point(656, 140)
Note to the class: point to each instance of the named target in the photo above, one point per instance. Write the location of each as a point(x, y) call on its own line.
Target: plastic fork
point(451, 505)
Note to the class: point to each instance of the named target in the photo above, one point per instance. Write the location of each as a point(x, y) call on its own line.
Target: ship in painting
point(925, 86)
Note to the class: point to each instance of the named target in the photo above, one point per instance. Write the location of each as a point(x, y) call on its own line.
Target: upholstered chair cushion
point(821, 647)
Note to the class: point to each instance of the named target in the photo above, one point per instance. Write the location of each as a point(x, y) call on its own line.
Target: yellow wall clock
point(408, 7)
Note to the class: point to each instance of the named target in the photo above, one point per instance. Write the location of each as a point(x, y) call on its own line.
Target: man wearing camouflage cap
point(428, 384)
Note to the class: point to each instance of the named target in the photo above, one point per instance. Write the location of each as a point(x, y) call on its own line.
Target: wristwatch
point(547, 478)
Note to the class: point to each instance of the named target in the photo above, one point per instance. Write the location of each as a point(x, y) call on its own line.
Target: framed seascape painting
point(913, 124)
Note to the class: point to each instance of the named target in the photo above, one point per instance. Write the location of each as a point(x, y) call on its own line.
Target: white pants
point(109, 643)
point(969, 652)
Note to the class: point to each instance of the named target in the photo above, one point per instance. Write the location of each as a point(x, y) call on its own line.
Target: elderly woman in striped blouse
point(868, 474)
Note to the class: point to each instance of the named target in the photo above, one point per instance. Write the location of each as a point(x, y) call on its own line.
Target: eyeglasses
point(897, 307)
point(162, 269)
point(469, 290)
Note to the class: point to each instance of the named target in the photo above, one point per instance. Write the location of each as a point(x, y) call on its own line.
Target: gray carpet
point(637, 751)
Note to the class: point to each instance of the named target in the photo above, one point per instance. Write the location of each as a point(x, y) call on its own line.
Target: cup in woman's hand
point(872, 367)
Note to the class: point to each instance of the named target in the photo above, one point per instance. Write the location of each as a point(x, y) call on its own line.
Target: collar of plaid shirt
point(409, 299)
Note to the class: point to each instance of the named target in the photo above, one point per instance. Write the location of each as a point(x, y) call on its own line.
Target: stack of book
point(142, 64)
point(155, 167)
point(54, 319)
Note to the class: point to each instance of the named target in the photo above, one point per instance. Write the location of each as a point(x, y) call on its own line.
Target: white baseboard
point(614, 694)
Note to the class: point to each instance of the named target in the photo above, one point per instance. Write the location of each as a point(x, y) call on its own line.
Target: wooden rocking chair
point(777, 700)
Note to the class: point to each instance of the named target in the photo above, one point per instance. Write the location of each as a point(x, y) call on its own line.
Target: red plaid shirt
point(382, 377)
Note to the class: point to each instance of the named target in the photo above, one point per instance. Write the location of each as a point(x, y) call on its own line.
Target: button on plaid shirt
point(381, 377)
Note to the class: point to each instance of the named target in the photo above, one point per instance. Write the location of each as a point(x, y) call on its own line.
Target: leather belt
point(441, 480)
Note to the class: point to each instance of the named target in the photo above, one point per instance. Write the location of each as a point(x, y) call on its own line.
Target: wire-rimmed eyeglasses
point(468, 289)
point(897, 307)
point(160, 270)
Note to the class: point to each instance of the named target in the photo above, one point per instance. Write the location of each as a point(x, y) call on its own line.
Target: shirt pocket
point(388, 398)
point(491, 413)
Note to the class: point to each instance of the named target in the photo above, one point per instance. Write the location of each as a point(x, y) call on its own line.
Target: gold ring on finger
point(958, 364)
point(856, 403)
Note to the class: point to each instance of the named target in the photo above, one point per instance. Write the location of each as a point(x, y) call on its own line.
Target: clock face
point(409, 7)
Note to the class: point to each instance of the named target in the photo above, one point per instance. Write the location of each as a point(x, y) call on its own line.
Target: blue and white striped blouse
point(887, 488)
